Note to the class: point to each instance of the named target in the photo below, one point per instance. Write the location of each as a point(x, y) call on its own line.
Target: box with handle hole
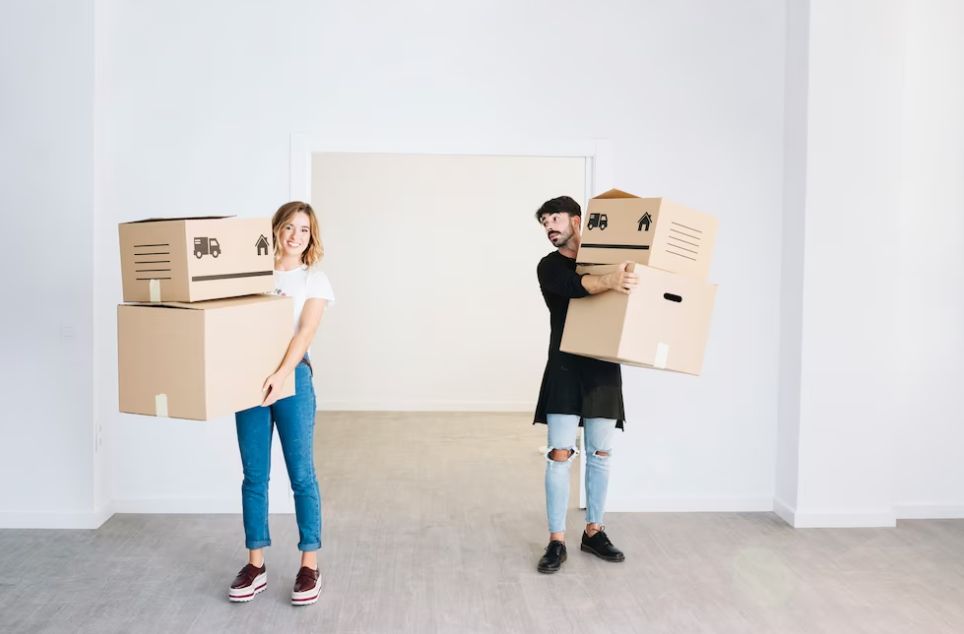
point(664, 323)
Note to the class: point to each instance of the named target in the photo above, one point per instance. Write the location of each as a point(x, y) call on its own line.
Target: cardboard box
point(653, 231)
point(194, 259)
point(201, 360)
point(664, 323)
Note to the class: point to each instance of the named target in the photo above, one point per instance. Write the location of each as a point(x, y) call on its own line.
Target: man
point(576, 391)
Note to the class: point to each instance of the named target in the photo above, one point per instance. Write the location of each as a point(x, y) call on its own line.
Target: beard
point(560, 238)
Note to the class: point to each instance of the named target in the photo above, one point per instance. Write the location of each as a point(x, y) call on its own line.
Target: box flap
point(213, 304)
point(595, 269)
point(134, 222)
point(614, 193)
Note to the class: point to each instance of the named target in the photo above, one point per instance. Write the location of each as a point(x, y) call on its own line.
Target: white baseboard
point(83, 520)
point(188, 506)
point(105, 513)
point(785, 511)
point(426, 406)
point(96, 519)
point(929, 511)
point(690, 505)
point(871, 518)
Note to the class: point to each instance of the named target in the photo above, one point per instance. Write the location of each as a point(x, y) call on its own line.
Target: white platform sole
point(243, 595)
point(308, 596)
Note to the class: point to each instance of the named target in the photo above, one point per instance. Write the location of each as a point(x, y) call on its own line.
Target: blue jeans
point(295, 418)
point(598, 436)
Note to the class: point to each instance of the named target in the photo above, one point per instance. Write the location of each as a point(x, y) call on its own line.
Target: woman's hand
point(272, 388)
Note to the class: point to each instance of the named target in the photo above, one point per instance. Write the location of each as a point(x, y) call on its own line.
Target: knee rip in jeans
point(561, 455)
point(602, 453)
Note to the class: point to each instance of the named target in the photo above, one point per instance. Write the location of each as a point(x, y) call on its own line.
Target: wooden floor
point(434, 523)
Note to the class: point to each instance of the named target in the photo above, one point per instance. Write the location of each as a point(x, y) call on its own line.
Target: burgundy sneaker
point(249, 582)
point(307, 587)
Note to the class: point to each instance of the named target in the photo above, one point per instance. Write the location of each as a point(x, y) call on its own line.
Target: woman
point(298, 251)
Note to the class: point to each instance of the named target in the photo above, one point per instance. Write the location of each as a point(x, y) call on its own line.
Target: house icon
point(262, 245)
point(646, 220)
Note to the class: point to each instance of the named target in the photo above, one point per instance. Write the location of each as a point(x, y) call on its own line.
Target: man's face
point(560, 228)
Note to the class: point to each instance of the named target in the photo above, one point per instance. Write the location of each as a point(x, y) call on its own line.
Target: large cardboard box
point(653, 231)
point(194, 259)
point(201, 360)
point(664, 323)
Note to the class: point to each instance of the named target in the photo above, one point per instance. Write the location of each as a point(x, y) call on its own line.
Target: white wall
point(878, 429)
point(47, 199)
point(792, 261)
point(849, 387)
point(194, 108)
point(929, 471)
point(433, 261)
point(105, 256)
point(198, 103)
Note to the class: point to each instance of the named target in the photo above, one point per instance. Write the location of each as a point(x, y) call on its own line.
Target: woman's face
point(296, 234)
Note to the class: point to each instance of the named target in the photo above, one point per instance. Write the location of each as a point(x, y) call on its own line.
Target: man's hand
point(272, 388)
point(621, 280)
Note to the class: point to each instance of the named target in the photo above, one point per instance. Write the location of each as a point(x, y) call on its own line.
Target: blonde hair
point(316, 250)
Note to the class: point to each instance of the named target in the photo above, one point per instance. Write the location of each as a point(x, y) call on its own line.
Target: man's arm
point(596, 284)
point(562, 281)
point(620, 280)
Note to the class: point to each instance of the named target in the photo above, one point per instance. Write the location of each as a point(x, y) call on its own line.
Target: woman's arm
point(308, 326)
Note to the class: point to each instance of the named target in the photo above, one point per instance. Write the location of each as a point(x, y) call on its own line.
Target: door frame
point(597, 153)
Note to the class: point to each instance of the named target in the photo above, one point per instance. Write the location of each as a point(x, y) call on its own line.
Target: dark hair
point(560, 205)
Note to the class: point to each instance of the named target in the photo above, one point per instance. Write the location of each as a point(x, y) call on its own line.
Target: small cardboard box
point(653, 231)
point(202, 360)
point(664, 323)
point(194, 259)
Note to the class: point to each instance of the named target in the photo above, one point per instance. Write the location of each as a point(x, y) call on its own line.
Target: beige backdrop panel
point(433, 262)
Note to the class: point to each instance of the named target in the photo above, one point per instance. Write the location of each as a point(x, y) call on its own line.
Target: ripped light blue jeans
point(598, 436)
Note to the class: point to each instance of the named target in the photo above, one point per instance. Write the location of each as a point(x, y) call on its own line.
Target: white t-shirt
point(303, 284)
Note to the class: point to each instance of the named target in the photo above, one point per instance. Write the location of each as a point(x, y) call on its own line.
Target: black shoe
point(600, 546)
point(554, 558)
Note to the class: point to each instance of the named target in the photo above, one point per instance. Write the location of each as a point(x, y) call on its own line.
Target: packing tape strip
point(662, 351)
point(155, 291)
point(160, 405)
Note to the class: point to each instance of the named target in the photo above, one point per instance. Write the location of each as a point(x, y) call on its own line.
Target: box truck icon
point(204, 246)
point(597, 220)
